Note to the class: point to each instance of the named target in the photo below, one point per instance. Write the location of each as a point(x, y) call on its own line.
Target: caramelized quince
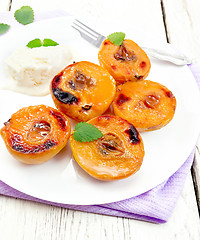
point(127, 62)
point(83, 90)
point(35, 134)
point(147, 105)
point(116, 155)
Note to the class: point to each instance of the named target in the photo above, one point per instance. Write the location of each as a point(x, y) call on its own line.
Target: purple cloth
point(154, 206)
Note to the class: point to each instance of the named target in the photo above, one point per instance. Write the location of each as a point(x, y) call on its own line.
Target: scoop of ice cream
point(31, 70)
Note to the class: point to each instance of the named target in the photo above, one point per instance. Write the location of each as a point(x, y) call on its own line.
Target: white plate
point(61, 179)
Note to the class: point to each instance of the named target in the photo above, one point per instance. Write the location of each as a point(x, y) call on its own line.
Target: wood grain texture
point(21, 219)
point(196, 174)
point(183, 30)
point(130, 10)
point(183, 26)
point(4, 5)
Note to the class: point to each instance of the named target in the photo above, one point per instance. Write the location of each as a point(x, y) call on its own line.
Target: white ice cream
point(31, 70)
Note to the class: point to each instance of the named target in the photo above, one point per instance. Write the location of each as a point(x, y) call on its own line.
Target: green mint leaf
point(86, 132)
point(116, 38)
point(38, 43)
point(34, 43)
point(4, 28)
point(49, 42)
point(24, 15)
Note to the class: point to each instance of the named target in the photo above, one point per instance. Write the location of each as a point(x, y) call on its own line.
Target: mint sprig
point(4, 28)
point(24, 15)
point(34, 43)
point(116, 38)
point(49, 42)
point(38, 43)
point(86, 132)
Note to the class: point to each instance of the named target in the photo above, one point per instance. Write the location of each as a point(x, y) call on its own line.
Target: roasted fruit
point(83, 90)
point(147, 105)
point(35, 134)
point(116, 155)
point(127, 62)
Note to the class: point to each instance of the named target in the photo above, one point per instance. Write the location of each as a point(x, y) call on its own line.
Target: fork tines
point(88, 34)
point(81, 27)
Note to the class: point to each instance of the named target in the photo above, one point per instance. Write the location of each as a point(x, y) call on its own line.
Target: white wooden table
point(176, 21)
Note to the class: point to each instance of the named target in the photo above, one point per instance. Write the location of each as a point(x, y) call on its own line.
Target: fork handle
point(178, 59)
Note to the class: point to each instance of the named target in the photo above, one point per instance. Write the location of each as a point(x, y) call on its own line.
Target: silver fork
point(88, 34)
point(96, 39)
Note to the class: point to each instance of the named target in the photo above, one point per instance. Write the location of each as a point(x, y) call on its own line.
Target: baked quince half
point(146, 104)
point(126, 62)
point(116, 155)
point(83, 90)
point(35, 134)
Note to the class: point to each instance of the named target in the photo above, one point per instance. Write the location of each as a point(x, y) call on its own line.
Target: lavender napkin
point(154, 206)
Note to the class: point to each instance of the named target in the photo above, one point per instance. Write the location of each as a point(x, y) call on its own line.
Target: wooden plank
point(30, 220)
point(4, 5)
point(183, 28)
point(196, 174)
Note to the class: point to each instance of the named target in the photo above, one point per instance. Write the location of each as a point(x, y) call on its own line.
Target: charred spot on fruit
point(168, 93)
point(122, 99)
point(49, 144)
point(86, 107)
point(151, 101)
point(64, 97)
point(143, 64)
point(133, 135)
point(139, 77)
point(110, 144)
point(80, 81)
point(56, 80)
point(123, 54)
point(7, 122)
point(60, 119)
point(114, 67)
point(19, 145)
